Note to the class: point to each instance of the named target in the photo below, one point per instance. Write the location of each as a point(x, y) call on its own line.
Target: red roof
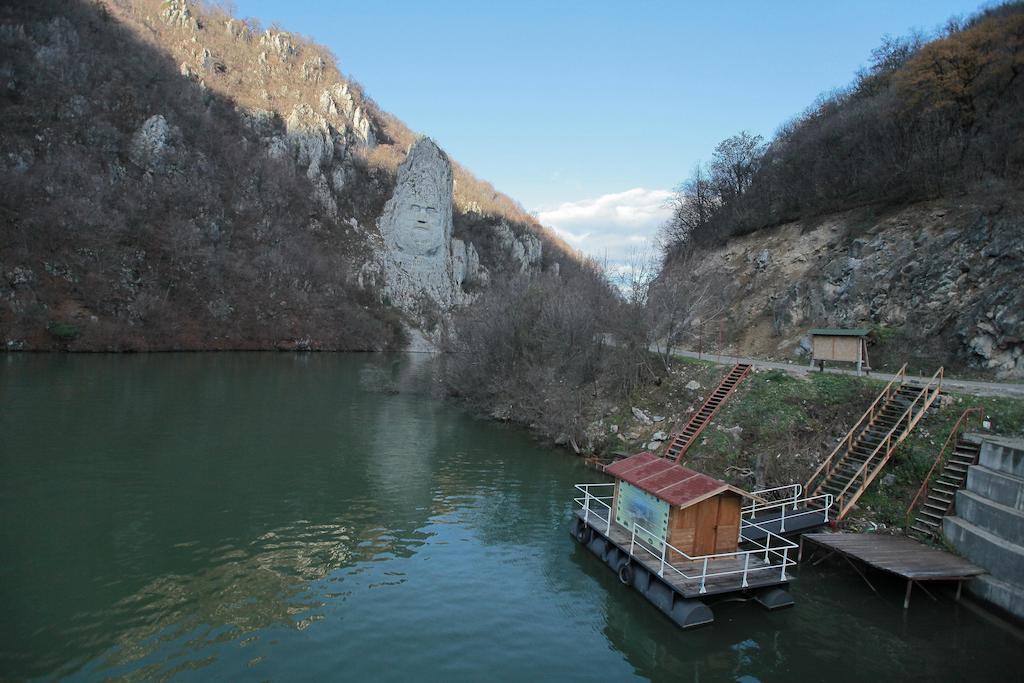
point(662, 478)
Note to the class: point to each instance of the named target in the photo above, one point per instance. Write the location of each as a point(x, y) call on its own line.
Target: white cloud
point(612, 225)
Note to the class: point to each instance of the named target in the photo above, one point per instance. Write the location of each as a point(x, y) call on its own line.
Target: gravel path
point(965, 386)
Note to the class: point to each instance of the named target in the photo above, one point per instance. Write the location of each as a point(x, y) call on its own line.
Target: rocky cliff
point(178, 178)
point(938, 283)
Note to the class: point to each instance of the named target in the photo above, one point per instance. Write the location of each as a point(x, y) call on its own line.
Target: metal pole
point(746, 563)
point(664, 547)
point(703, 575)
point(782, 525)
point(785, 558)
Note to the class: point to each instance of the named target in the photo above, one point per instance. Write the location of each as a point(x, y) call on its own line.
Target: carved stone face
point(423, 232)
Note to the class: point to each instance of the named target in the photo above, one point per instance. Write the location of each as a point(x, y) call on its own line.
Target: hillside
point(176, 178)
point(892, 204)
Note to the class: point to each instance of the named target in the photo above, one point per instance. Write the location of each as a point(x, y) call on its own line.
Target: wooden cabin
point(697, 514)
point(849, 346)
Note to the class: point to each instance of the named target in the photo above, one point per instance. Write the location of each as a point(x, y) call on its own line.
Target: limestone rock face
point(416, 229)
point(526, 250)
point(311, 138)
point(279, 42)
point(466, 264)
point(940, 279)
point(178, 13)
point(151, 144)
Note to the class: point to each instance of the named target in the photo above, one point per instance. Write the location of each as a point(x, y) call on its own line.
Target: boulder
point(641, 416)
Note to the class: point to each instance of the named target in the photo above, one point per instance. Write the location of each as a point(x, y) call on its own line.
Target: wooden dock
point(906, 558)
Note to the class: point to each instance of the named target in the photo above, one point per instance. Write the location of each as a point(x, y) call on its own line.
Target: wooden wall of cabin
point(711, 526)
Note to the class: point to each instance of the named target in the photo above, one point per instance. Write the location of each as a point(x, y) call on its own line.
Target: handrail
point(775, 548)
point(844, 506)
point(825, 498)
point(704, 559)
point(797, 490)
point(902, 372)
point(953, 434)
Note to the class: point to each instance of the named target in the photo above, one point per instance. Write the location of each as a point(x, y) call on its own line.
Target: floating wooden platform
point(759, 573)
point(899, 555)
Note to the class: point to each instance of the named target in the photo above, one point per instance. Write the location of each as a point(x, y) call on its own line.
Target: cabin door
point(707, 527)
point(718, 525)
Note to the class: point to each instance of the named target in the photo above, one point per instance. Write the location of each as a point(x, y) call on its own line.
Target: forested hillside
point(177, 178)
point(893, 203)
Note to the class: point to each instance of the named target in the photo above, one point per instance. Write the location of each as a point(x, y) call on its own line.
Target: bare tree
point(693, 203)
point(678, 301)
point(733, 164)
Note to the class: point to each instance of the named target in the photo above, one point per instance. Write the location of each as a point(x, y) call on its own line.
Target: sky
point(588, 113)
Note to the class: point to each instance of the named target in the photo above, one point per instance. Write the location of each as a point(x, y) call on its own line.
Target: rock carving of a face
point(424, 233)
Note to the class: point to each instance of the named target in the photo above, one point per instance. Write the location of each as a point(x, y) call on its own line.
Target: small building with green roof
point(836, 344)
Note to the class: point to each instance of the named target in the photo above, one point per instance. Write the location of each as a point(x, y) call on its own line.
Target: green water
point(280, 517)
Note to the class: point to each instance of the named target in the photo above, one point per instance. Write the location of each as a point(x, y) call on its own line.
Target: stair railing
point(954, 435)
point(925, 397)
point(738, 374)
point(825, 468)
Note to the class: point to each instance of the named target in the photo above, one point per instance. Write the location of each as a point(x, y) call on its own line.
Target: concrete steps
point(1000, 593)
point(1002, 455)
point(988, 527)
point(1000, 487)
point(1000, 520)
point(1003, 559)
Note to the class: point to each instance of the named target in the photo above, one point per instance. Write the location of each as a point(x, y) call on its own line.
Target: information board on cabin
point(634, 505)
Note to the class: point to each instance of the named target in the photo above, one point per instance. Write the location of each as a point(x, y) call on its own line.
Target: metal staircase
point(682, 440)
point(859, 458)
point(952, 478)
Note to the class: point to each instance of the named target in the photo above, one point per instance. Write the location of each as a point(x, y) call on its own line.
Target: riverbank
point(777, 428)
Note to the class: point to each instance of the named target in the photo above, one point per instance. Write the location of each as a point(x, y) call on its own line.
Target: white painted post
point(586, 504)
point(664, 548)
point(746, 563)
point(703, 576)
point(785, 557)
point(782, 524)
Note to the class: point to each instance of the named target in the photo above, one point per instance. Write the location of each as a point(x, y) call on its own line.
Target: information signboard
point(634, 505)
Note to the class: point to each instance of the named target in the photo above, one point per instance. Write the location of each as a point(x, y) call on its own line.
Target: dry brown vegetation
point(926, 119)
point(223, 246)
point(218, 246)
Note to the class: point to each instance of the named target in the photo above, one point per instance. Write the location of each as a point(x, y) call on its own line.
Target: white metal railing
point(778, 494)
point(790, 507)
point(773, 552)
point(598, 507)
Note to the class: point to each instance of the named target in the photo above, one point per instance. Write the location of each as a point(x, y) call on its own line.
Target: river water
point(292, 517)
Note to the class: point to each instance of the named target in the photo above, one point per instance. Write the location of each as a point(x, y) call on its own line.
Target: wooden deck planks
point(690, 588)
point(899, 555)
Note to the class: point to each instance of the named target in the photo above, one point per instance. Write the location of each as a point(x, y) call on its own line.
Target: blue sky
point(589, 112)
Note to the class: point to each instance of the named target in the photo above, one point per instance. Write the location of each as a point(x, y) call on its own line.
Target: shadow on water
point(299, 516)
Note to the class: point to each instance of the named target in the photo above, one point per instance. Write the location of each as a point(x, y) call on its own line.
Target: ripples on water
point(273, 516)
